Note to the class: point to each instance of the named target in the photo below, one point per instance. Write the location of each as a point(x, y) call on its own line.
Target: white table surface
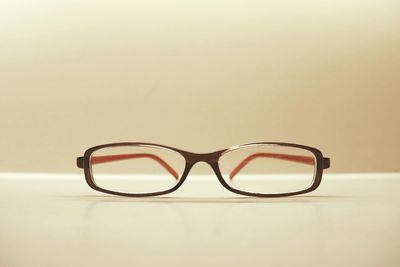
point(57, 220)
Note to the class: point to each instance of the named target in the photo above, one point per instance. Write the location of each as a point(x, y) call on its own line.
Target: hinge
point(327, 163)
point(79, 162)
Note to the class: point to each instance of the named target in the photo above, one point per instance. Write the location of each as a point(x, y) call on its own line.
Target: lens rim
point(318, 170)
point(91, 181)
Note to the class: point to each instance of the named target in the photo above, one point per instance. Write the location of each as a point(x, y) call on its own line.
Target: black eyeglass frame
point(212, 159)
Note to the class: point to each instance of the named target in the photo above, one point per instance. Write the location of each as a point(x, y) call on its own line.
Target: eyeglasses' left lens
point(268, 168)
point(136, 169)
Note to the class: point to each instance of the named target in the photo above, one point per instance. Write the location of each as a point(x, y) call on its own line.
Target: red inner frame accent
point(300, 159)
point(295, 158)
point(110, 158)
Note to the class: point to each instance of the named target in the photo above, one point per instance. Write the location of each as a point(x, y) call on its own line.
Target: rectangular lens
point(136, 169)
point(268, 169)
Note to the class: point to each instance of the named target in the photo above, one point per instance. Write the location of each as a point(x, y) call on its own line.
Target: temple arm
point(111, 158)
point(295, 158)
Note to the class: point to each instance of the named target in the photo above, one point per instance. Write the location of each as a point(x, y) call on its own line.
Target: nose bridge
point(209, 158)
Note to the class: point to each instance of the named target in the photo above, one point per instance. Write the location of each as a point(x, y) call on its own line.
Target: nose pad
point(210, 159)
point(202, 167)
point(215, 168)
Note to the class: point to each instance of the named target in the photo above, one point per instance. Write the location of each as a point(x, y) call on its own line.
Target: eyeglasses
point(257, 169)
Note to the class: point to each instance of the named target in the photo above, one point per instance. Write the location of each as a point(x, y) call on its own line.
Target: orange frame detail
point(110, 158)
point(300, 159)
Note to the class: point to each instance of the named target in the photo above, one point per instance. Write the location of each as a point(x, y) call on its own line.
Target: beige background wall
point(199, 75)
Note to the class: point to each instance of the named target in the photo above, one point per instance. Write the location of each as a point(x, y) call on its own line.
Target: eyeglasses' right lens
point(136, 169)
point(268, 168)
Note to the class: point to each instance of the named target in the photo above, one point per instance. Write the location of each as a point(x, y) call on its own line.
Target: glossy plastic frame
point(210, 158)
